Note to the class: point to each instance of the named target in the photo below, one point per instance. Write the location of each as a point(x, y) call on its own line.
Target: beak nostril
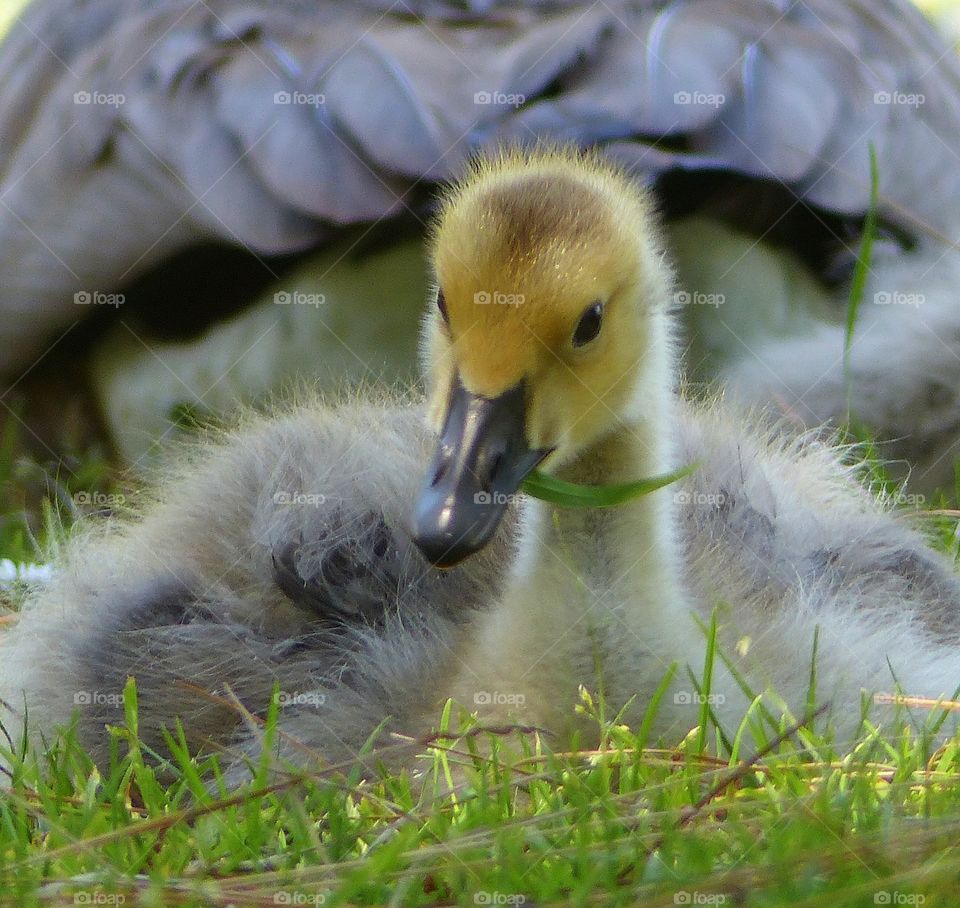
point(440, 473)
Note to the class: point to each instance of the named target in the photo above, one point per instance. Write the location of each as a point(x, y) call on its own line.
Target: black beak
point(481, 460)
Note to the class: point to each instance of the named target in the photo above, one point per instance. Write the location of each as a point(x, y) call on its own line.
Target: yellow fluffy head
point(522, 248)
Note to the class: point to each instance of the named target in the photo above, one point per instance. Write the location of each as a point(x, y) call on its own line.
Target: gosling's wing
point(775, 523)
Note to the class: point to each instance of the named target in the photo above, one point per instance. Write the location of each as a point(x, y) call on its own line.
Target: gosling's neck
point(595, 597)
point(627, 555)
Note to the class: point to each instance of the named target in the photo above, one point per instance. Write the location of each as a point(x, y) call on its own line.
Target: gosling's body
point(777, 531)
point(274, 556)
point(288, 554)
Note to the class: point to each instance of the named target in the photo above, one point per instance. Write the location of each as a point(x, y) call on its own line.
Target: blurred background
point(946, 13)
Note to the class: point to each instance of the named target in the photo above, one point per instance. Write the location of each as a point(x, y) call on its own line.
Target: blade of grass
point(571, 495)
point(861, 270)
point(739, 679)
point(653, 707)
point(707, 684)
point(812, 684)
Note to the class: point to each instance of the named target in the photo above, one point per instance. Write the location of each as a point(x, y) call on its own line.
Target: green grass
point(625, 824)
point(767, 814)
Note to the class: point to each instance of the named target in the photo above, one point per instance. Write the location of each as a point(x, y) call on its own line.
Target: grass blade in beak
point(571, 495)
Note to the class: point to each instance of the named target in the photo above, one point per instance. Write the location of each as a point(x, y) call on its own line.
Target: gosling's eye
point(442, 306)
point(589, 325)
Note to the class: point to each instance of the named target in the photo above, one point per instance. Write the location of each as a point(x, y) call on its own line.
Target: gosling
point(372, 559)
